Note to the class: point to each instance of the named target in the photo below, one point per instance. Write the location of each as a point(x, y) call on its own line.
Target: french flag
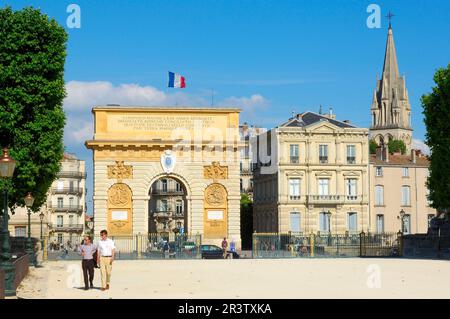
point(176, 81)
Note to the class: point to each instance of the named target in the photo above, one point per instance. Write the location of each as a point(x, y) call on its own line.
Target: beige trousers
point(105, 270)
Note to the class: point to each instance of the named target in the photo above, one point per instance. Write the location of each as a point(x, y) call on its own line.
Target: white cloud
point(82, 96)
point(79, 130)
point(420, 145)
point(254, 101)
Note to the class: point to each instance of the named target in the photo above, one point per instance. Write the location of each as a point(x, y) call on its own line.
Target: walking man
point(224, 248)
point(105, 258)
point(87, 250)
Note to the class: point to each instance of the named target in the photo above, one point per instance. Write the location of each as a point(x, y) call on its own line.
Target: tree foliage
point(373, 147)
point(436, 108)
point(395, 146)
point(246, 221)
point(32, 57)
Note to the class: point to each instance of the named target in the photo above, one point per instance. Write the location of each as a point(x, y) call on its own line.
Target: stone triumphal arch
point(167, 169)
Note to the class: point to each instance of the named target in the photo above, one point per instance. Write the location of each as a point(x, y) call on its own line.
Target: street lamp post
point(41, 217)
point(7, 165)
point(29, 201)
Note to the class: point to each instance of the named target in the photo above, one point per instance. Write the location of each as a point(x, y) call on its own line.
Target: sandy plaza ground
point(247, 278)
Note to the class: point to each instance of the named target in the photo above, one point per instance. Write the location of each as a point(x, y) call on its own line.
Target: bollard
point(139, 246)
point(255, 245)
point(311, 244)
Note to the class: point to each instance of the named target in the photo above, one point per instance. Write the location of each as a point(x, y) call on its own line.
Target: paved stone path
point(247, 278)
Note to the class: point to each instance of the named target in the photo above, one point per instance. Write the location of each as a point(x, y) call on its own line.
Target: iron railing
point(161, 212)
point(167, 191)
point(68, 190)
point(325, 198)
point(151, 246)
point(66, 227)
point(323, 159)
point(294, 159)
point(289, 245)
point(332, 199)
point(67, 208)
point(71, 174)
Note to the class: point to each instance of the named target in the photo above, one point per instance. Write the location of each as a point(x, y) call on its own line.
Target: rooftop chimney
point(330, 113)
point(413, 156)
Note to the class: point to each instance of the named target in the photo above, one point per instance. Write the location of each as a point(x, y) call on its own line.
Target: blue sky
point(268, 57)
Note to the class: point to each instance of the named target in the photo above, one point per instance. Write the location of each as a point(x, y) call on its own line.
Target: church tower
point(391, 111)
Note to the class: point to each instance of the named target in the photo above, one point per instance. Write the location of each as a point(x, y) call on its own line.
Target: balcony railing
point(167, 191)
point(295, 197)
point(71, 174)
point(67, 227)
point(332, 199)
point(323, 159)
point(70, 208)
point(68, 190)
point(351, 160)
point(161, 212)
point(294, 159)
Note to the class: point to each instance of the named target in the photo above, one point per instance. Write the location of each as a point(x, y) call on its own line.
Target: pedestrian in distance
point(224, 248)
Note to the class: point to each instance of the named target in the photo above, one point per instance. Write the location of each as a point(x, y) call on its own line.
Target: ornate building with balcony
point(314, 177)
point(63, 213)
point(66, 200)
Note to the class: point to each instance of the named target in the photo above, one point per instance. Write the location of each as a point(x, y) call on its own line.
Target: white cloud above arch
point(83, 95)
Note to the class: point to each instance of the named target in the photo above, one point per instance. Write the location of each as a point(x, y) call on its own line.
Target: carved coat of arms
point(168, 161)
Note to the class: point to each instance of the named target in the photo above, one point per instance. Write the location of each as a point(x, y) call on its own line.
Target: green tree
point(373, 147)
point(246, 221)
point(396, 146)
point(32, 57)
point(436, 108)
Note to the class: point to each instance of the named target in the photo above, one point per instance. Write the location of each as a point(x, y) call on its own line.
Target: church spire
point(390, 108)
point(390, 67)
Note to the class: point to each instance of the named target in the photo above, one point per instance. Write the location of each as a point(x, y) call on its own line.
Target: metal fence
point(151, 246)
point(297, 245)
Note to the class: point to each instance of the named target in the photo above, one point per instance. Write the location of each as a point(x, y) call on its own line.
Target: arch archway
point(168, 206)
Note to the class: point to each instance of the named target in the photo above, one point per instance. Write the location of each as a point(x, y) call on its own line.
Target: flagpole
point(212, 97)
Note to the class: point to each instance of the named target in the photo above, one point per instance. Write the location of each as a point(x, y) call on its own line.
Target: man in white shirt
point(105, 257)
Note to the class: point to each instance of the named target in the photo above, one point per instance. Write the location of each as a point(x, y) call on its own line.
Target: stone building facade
point(398, 183)
point(65, 207)
point(67, 200)
point(317, 179)
point(136, 150)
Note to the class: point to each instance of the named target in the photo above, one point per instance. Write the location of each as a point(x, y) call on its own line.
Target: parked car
point(215, 252)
